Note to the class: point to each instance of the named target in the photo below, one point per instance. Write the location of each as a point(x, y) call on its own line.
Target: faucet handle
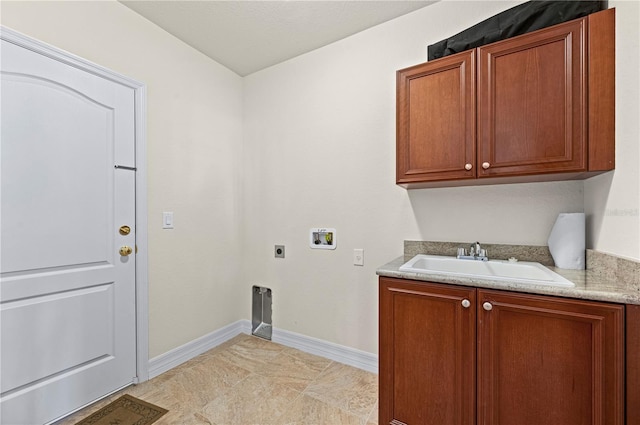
point(461, 252)
point(483, 253)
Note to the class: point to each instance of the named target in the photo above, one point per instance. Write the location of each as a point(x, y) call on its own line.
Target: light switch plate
point(167, 220)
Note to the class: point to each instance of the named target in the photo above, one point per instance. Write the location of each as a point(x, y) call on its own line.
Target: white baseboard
point(186, 352)
point(339, 353)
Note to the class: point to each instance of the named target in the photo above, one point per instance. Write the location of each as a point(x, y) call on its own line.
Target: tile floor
point(251, 381)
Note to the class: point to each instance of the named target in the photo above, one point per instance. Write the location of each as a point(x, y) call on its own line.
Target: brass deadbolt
point(125, 230)
point(125, 250)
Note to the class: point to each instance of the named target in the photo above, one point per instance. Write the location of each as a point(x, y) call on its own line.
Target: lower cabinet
point(459, 355)
point(427, 353)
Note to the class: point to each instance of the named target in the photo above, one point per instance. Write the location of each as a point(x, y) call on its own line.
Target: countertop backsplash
point(614, 268)
point(538, 254)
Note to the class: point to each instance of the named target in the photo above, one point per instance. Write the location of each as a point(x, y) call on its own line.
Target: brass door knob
point(125, 250)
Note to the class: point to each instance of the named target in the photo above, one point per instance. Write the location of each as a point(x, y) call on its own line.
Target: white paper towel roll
point(567, 241)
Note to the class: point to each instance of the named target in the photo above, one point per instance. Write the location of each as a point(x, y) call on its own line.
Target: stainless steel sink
point(519, 272)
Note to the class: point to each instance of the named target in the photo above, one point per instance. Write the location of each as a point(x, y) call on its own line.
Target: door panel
point(41, 193)
point(67, 297)
point(75, 327)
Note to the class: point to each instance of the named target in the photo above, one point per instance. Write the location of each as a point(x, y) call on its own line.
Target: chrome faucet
point(476, 252)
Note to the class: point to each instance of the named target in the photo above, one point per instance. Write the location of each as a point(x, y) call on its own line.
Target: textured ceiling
point(247, 36)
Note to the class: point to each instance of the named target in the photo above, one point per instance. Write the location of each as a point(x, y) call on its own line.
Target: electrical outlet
point(358, 257)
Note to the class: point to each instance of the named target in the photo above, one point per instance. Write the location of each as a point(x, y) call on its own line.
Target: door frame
point(140, 110)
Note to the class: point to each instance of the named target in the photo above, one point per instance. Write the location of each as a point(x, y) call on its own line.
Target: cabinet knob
point(487, 306)
point(468, 167)
point(486, 165)
point(466, 303)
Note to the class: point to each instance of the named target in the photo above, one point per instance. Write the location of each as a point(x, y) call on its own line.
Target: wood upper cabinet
point(532, 103)
point(427, 353)
point(544, 360)
point(541, 360)
point(535, 107)
point(436, 131)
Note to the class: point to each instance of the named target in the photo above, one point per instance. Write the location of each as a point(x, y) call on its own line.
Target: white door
point(67, 294)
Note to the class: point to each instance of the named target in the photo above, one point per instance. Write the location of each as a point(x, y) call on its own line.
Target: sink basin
point(518, 272)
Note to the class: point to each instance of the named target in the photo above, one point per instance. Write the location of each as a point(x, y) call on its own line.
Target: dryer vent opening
point(261, 312)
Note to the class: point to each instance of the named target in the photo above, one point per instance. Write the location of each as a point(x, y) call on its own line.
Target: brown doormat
point(126, 410)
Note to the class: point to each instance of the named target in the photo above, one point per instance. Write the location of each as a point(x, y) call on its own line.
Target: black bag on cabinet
point(524, 18)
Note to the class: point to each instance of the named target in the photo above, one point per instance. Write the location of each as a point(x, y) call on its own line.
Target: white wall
point(194, 144)
point(612, 201)
point(320, 151)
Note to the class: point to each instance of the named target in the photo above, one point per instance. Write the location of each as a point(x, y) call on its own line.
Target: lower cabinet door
point(544, 360)
point(427, 353)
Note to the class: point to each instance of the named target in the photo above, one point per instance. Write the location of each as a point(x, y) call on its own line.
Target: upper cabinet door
point(532, 111)
point(436, 120)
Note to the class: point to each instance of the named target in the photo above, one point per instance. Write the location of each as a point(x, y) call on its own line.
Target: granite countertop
point(610, 278)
